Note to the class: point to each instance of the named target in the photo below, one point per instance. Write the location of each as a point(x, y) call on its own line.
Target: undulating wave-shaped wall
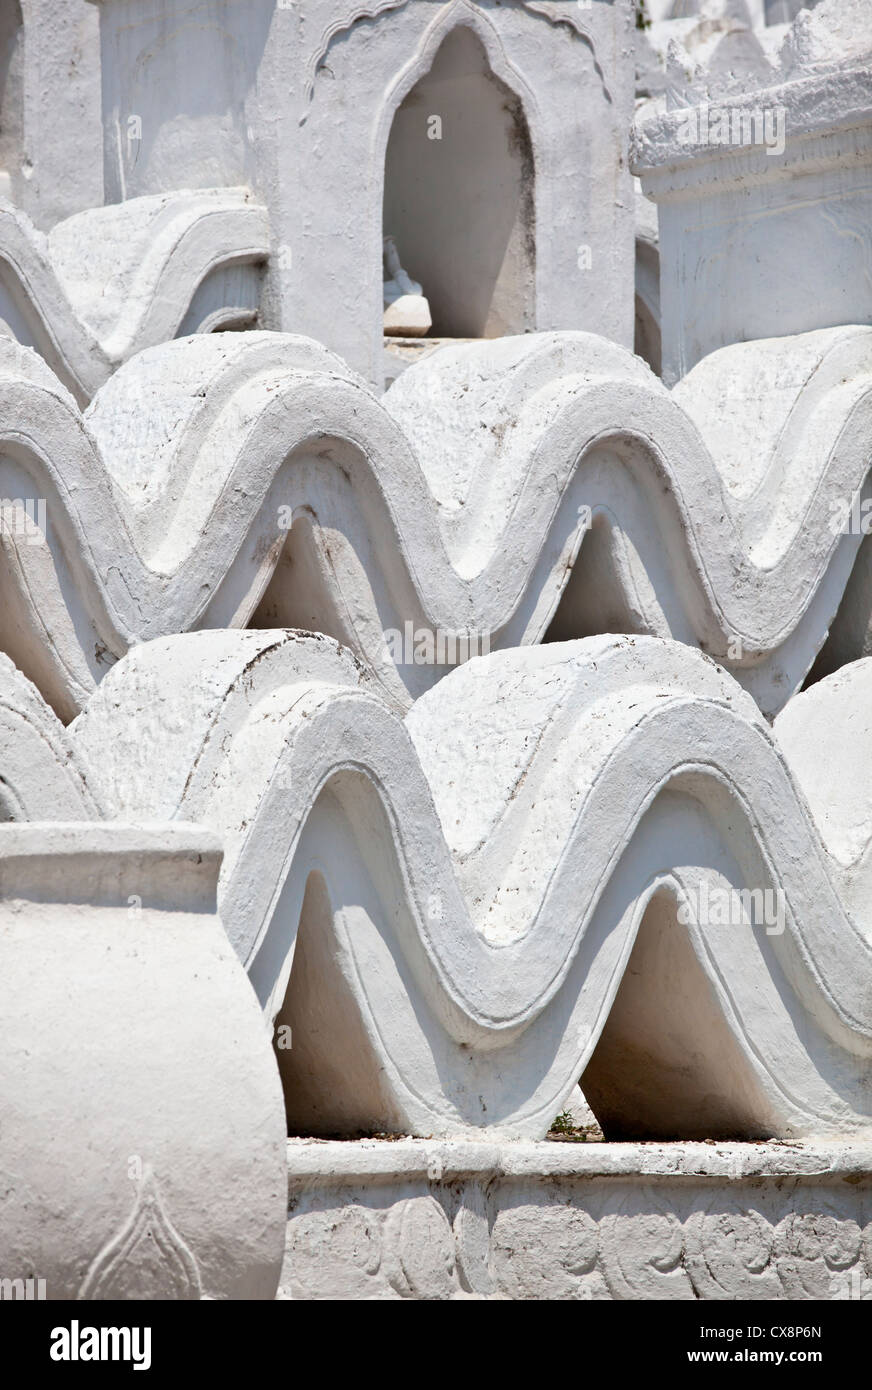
point(540, 487)
point(456, 915)
point(106, 283)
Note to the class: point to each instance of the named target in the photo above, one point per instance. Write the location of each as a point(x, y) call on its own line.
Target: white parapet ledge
point(417, 1219)
point(827, 121)
point(337, 1163)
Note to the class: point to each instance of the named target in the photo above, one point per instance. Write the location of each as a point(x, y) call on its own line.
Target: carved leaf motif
point(546, 1250)
point(728, 1250)
point(642, 1248)
point(377, 9)
point(421, 1243)
point(339, 28)
point(813, 1246)
point(148, 1259)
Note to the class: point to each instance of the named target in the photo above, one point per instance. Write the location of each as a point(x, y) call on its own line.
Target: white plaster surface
point(768, 235)
point(110, 281)
point(141, 1143)
point(407, 895)
point(568, 70)
point(532, 487)
point(418, 1219)
point(465, 899)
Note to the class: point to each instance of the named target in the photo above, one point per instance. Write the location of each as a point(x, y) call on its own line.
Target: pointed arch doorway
point(459, 195)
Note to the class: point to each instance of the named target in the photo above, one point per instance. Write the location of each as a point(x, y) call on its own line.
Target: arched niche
point(459, 195)
point(785, 11)
point(11, 94)
point(667, 1064)
point(646, 339)
point(647, 303)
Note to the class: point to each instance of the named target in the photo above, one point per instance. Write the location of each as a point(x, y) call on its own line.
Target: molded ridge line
point(594, 780)
point(548, 485)
point(107, 282)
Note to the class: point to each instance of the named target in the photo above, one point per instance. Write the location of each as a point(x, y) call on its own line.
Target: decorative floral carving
point(728, 1249)
point(334, 31)
point(584, 1241)
point(421, 1242)
point(147, 1259)
point(556, 15)
point(812, 1247)
point(642, 1248)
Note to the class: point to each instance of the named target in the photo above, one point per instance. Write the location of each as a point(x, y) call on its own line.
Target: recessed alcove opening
point(11, 93)
point(666, 1065)
point(770, 12)
point(459, 195)
point(785, 11)
point(849, 632)
point(646, 339)
point(595, 598)
point(333, 1084)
